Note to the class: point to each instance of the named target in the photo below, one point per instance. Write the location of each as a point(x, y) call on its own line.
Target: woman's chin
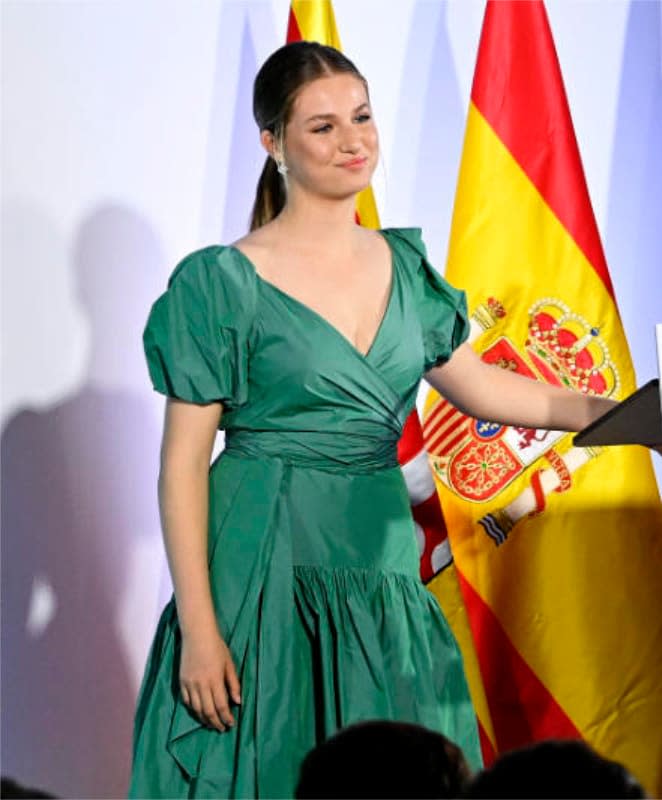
point(351, 185)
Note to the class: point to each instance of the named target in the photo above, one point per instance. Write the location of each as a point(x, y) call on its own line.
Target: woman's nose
point(349, 140)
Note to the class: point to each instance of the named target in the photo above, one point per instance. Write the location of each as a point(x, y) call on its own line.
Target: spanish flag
point(558, 549)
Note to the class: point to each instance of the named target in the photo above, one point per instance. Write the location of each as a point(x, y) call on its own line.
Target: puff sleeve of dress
point(196, 339)
point(442, 309)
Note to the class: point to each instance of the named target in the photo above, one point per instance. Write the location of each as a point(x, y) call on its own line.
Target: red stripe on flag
point(438, 418)
point(518, 88)
point(440, 406)
point(489, 756)
point(428, 515)
point(446, 445)
point(443, 428)
point(434, 440)
point(293, 32)
point(521, 707)
point(410, 443)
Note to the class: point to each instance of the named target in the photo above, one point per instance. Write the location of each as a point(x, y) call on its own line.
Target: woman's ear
point(268, 142)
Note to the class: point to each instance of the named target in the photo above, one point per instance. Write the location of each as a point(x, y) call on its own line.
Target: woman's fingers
point(201, 703)
point(195, 701)
point(211, 713)
point(209, 681)
point(210, 705)
point(186, 697)
point(232, 682)
point(222, 705)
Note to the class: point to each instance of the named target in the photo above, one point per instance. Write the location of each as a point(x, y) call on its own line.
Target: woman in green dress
point(297, 606)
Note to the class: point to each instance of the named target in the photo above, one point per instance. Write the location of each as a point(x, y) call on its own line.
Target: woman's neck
point(319, 222)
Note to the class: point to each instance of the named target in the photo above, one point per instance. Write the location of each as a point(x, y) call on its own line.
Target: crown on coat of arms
point(487, 314)
point(567, 348)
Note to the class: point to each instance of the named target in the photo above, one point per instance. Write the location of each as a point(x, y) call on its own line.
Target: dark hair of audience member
point(9, 788)
point(554, 769)
point(383, 759)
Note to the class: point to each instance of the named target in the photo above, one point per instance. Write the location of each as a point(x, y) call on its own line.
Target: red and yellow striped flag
point(558, 549)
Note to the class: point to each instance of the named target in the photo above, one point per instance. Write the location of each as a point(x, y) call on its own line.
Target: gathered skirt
point(314, 578)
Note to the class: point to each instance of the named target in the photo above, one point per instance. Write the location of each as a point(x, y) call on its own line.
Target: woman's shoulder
point(408, 245)
point(259, 238)
point(415, 256)
point(411, 237)
point(257, 247)
point(198, 329)
point(213, 265)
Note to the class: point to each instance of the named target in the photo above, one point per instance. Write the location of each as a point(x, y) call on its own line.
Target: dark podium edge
point(639, 414)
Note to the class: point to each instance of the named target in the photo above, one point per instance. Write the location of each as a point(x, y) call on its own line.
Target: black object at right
point(637, 420)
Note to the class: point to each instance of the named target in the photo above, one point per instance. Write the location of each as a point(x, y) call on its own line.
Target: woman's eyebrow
point(333, 116)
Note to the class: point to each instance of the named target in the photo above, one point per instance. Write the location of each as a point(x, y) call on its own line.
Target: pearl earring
point(282, 168)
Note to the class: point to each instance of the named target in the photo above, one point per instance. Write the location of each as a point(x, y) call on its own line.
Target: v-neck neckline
point(287, 296)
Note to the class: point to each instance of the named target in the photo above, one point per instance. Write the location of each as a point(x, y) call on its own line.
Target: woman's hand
point(208, 679)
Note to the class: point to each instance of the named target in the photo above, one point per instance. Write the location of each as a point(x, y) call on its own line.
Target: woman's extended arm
point(488, 392)
point(206, 665)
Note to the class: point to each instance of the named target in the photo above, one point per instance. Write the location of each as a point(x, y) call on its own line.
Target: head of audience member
point(554, 769)
point(13, 790)
point(383, 759)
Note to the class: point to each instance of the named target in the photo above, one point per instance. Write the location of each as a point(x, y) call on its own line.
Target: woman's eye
point(327, 127)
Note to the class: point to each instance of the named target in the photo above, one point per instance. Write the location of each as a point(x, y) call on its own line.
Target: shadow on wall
point(633, 241)
point(234, 154)
point(435, 137)
point(246, 154)
point(79, 513)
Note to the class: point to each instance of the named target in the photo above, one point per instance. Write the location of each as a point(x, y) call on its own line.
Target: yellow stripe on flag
point(317, 22)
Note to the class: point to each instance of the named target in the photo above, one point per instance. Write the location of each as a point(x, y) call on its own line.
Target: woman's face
point(331, 144)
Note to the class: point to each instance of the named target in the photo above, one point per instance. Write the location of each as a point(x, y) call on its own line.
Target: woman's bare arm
point(206, 664)
point(188, 438)
point(488, 392)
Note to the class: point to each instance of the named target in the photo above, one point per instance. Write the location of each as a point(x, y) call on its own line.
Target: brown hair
point(276, 85)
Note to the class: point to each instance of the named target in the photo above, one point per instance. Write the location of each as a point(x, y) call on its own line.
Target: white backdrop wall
point(128, 141)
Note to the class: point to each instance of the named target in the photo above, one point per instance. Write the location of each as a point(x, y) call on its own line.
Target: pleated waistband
point(327, 451)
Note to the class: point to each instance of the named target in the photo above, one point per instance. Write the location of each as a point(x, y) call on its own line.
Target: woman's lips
point(355, 163)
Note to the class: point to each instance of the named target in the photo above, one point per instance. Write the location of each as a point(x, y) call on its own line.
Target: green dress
point(313, 559)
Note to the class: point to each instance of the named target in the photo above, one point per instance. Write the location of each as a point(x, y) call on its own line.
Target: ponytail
point(269, 197)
